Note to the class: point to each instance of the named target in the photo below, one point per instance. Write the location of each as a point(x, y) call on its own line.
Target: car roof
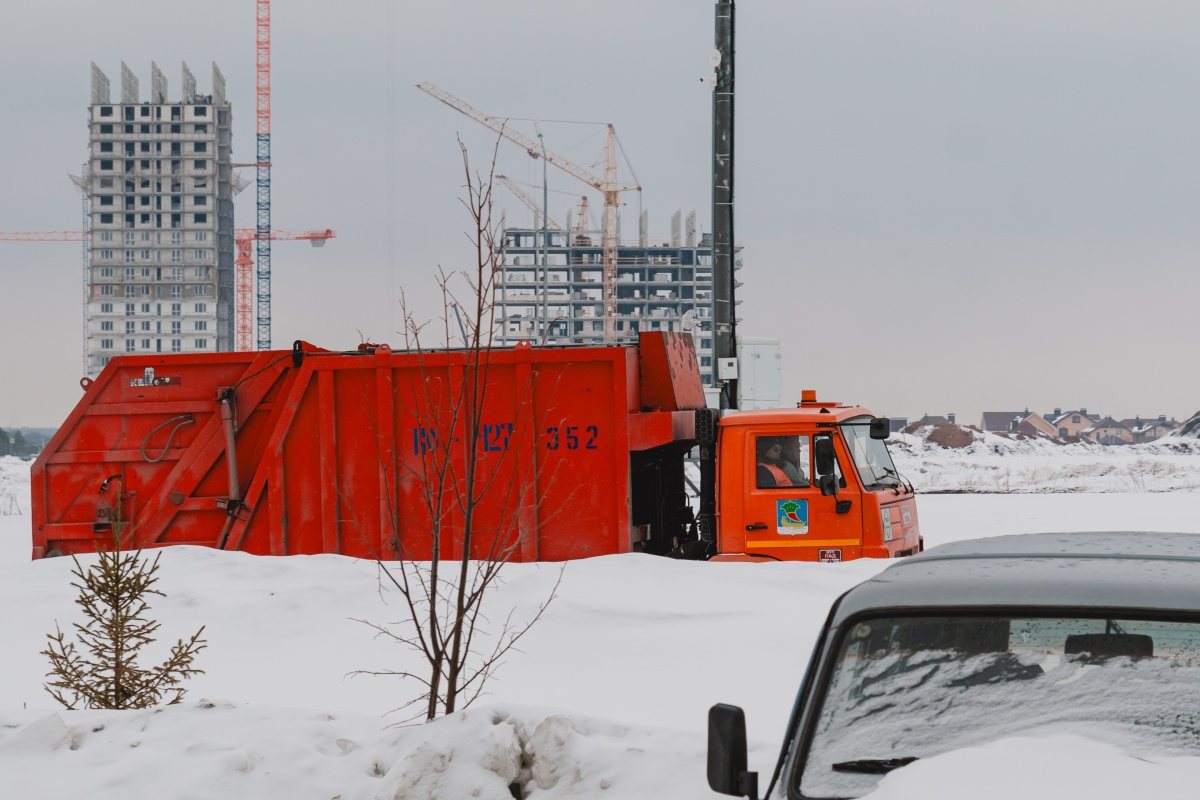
point(1134, 570)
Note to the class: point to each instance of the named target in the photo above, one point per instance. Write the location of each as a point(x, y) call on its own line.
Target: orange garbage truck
point(526, 454)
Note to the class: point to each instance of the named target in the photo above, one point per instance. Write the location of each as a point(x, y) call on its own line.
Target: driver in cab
point(774, 469)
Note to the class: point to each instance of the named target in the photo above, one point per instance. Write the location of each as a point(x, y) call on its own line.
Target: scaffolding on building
point(661, 285)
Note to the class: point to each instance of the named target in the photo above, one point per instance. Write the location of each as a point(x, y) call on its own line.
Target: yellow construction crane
point(607, 185)
point(530, 203)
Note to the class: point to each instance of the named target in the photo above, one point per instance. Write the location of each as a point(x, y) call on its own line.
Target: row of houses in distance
point(1073, 424)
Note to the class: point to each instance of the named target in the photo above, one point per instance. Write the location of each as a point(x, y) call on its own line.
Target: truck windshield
point(871, 456)
point(903, 689)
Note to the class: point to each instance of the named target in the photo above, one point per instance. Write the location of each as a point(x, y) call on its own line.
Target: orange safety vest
point(781, 478)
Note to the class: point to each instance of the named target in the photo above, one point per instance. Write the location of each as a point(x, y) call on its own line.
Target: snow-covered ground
point(993, 463)
point(608, 696)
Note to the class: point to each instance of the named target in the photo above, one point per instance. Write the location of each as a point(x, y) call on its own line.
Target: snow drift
point(610, 694)
point(993, 463)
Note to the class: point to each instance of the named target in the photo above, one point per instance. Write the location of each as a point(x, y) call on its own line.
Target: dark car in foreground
point(1096, 634)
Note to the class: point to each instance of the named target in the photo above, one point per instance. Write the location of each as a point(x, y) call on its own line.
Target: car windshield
point(909, 688)
point(871, 456)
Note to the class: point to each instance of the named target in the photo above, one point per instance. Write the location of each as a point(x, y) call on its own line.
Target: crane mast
point(607, 185)
point(580, 235)
point(262, 72)
point(609, 227)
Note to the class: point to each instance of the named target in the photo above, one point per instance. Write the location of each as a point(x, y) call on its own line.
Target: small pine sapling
point(112, 594)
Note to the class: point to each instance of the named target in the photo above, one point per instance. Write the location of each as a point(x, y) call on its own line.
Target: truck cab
point(811, 483)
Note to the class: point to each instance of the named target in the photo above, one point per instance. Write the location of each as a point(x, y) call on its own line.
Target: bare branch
point(450, 479)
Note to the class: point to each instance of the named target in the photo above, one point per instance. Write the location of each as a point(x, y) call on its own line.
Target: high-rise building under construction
point(662, 285)
point(159, 229)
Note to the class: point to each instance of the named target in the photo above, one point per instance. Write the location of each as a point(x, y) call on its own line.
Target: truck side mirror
point(881, 428)
point(827, 481)
point(727, 753)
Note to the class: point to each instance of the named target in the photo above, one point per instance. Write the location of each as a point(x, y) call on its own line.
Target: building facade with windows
point(662, 285)
point(158, 217)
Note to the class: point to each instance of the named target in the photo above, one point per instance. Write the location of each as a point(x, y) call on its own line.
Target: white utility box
point(760, 372)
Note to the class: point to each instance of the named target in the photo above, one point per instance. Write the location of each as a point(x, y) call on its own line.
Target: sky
point(945, 207)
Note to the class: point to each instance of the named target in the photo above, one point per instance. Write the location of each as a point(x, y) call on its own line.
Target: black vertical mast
point(724, 308)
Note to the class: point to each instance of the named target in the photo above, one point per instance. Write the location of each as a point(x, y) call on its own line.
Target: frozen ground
point(608, 697)
point(993, 463)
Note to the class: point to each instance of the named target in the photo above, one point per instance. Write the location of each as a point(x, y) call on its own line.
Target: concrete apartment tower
point(663, 285)
point(158, 213)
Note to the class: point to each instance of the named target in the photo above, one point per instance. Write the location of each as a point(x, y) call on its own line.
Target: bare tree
point(444, 598)
point(112, 594)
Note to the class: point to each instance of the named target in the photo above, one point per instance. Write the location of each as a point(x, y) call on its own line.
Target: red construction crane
point(262, 74)
point(245, 292)
point(243, 289)
point(263, 234)
point(608, 186)
point(262, 165)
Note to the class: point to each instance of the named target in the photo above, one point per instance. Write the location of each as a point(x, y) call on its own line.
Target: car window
point(910, 688)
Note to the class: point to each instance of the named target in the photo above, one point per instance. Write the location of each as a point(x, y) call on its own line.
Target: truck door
point(786, 515)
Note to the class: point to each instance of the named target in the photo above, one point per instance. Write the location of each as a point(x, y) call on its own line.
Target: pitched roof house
point(1108, 431)
point(1004, 421)
point(1024, 422)
point(1071, 423)
point(1147, 430)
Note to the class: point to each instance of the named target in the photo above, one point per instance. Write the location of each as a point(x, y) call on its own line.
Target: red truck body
point(337, 452)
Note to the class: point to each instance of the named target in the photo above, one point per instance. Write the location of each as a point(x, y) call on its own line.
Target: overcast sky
point(945, 206)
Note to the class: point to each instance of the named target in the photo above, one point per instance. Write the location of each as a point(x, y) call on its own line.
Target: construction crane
point(262, 232)
point(530, 203)
point(244, 292)
point(262, 125)
point(262, 113)
point(462, 328)
point(607, 185)
point(243, 237)
point(579, 232)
